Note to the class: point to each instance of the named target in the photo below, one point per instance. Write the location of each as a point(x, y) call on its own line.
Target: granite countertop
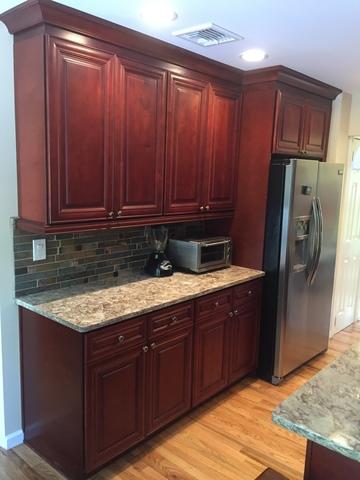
point(326, 410)
point(93, 306)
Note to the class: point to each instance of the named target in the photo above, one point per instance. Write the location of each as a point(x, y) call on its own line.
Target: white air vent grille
point(207, 35)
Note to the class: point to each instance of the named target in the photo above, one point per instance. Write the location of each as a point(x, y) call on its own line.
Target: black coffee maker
point(158, 264)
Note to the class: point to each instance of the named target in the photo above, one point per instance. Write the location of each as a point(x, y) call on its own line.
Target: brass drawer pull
point(121, 339)
point(145, 348)
point(173, 320)
point(153, 345)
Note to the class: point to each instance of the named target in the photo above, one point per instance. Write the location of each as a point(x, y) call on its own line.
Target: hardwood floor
point(229, 438)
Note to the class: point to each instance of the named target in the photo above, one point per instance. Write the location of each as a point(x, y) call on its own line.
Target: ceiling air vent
point(207, 35)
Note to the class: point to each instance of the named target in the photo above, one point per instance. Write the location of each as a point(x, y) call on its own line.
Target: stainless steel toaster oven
point(200, 255)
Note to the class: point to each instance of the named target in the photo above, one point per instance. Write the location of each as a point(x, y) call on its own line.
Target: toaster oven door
point(214, 255)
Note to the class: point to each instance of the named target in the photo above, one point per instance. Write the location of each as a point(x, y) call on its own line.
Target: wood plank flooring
point(231, 437)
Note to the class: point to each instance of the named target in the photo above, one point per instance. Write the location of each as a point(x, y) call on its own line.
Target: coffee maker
point(158, 264)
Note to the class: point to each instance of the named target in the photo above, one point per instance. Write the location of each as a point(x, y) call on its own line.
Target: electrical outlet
point(39, 249)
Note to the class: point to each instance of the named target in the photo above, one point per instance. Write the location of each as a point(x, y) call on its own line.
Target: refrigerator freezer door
point(320, 295)
point(296, 330)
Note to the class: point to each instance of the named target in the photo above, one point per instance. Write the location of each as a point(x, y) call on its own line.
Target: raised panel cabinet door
point(317, 124)
point(243, 343)
point(114, 406)
point(289, 124)
point(169, 378)
point(210, 357)
point(140, 139)
point(224, 134)
point(80, 85)
point(185, 144)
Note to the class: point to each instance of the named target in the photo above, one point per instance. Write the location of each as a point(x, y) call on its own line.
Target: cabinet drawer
point(115, 338)
point(247, 294)
point(219, 301)
point(167, 319)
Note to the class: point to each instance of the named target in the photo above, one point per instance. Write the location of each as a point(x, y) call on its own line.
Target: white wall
point(354, 127)
point(10, 398)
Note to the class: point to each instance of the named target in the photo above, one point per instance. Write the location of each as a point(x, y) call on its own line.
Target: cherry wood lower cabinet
point(88, 397)
point(322, 463)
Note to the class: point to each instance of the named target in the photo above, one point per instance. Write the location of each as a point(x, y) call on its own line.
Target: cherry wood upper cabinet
point(289, 124)
point(301, 125)
point(185, 144)
point(115, 392)
point(140, 139)
point(317, 125)
point(222, 161)
point(80, 86)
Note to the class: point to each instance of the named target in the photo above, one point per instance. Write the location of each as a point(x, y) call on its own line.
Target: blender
point(158, 264)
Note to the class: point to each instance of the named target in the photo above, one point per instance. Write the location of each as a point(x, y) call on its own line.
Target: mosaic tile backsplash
point(78, 258)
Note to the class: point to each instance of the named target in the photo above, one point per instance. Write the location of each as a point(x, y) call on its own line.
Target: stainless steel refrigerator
point(299, 261)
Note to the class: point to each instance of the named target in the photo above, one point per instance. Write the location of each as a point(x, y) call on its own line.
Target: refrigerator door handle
point(319, 240)
point(311, 263)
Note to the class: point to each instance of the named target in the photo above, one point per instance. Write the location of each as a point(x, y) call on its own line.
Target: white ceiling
point(320, 38)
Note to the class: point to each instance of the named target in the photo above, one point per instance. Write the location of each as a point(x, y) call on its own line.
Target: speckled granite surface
point(88, 307)
point(326, 410)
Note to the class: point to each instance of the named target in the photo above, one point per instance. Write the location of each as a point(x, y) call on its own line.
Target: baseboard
point(12, 440)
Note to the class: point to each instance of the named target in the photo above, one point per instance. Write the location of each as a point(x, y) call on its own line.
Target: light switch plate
point(39, 249)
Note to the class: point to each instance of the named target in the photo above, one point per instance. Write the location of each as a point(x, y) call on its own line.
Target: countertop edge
point(88, 328)
point(314, 437)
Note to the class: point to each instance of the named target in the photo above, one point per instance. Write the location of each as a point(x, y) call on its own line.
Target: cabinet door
point(80, 85)
point(317, 124)
point(169, 378)
point(114, 406)
point(210, 357)
point(185, 144)
point(289, 124)
point(140, 140)
point(243, 342)
point(221, 164)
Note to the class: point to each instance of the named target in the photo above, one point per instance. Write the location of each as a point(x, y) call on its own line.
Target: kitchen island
point(326, 411)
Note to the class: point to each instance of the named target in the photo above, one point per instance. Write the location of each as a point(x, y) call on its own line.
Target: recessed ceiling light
point(158, 13)
point(253, 55)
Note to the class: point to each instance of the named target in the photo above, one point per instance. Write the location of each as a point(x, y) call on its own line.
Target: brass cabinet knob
point(145, 348)
point(111, 214)
point(202, 208)
point(216, 304)
point(174, 319)
point(153, 345)
point(121, 339)
point(207, 207)
point(236, 312)
point(231, 314)
point(118, 215)
point(250, 292)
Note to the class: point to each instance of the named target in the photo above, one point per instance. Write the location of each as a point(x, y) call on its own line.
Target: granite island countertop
point(86, 308)
point(326, 410)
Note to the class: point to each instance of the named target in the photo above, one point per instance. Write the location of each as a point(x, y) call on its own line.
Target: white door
point(346, 304)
